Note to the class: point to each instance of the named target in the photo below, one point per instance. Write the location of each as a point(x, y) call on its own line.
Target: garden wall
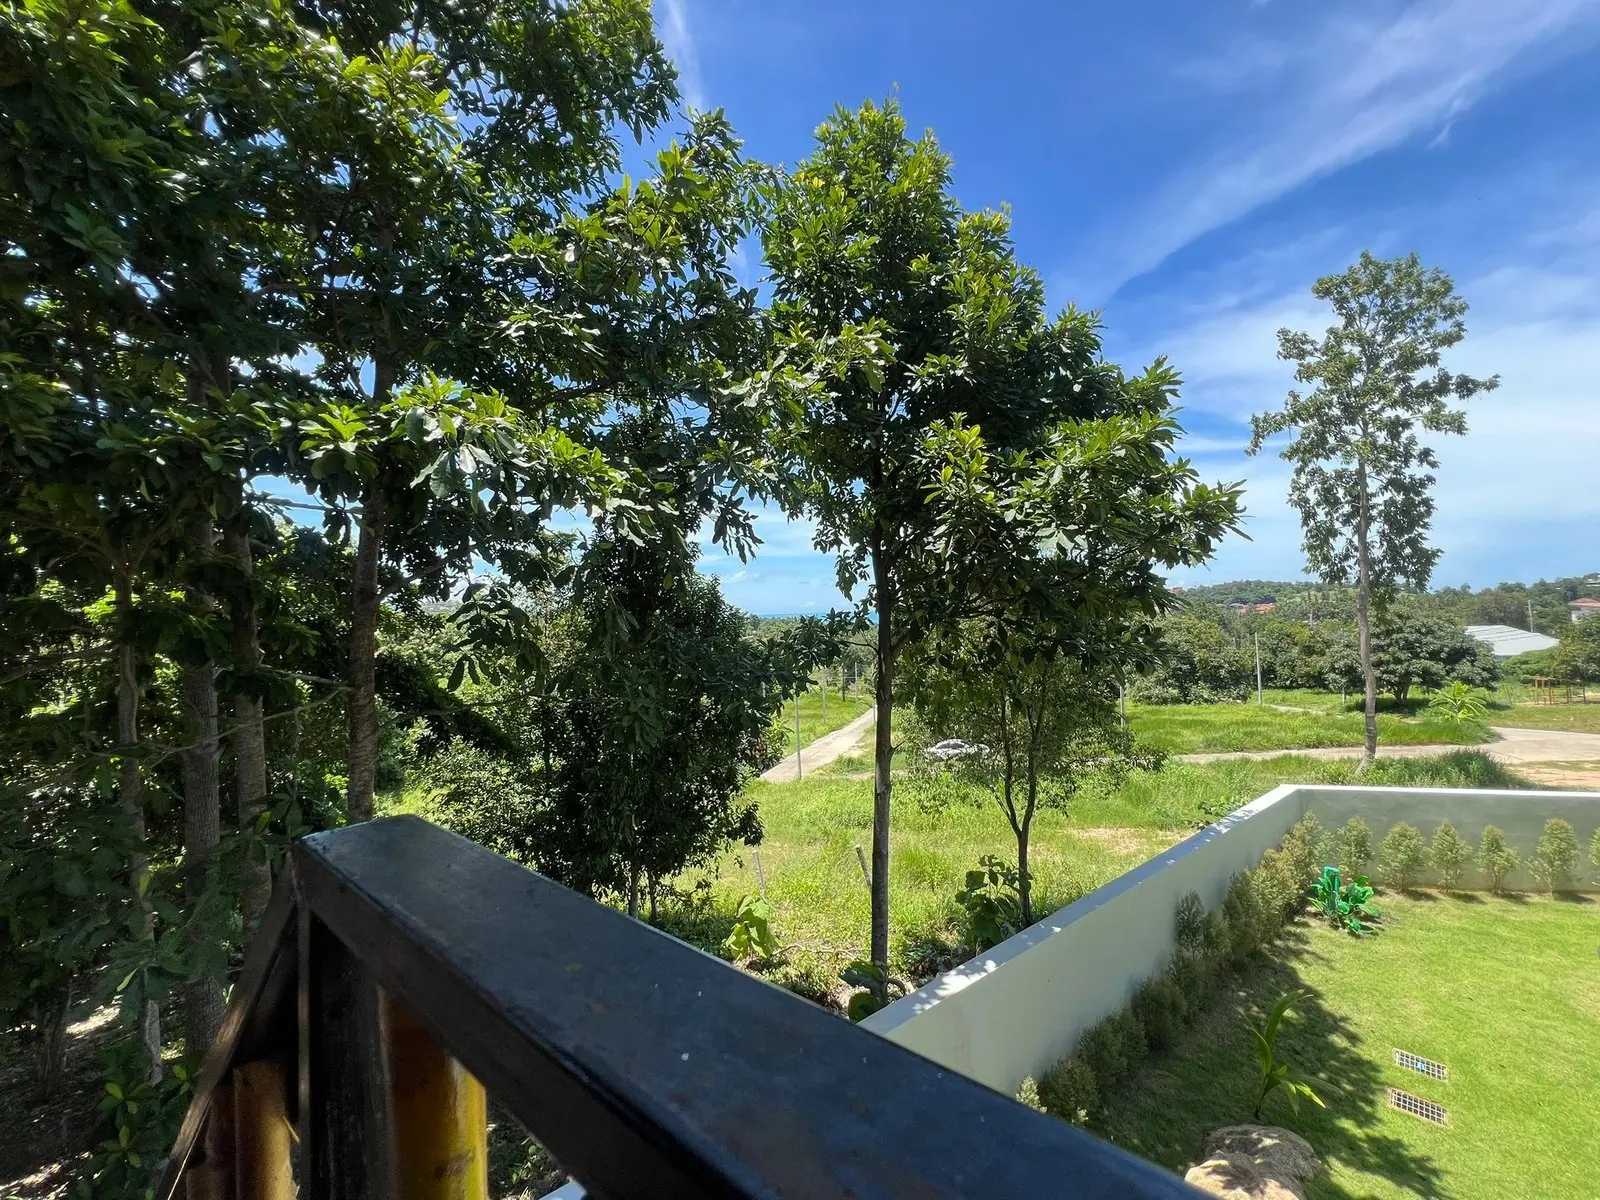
point(1016, 1009)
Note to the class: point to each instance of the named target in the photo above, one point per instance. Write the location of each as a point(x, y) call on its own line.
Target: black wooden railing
point(647, 1068)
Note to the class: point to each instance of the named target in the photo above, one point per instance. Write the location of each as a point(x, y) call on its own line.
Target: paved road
point(825, 749)
point(1514, 746)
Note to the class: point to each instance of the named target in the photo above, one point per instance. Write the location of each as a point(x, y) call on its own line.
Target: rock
point(1255, 1162)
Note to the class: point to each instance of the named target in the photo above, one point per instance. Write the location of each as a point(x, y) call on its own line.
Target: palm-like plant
point(1349, 904)
point(1276, 1073)
point(1458, 703)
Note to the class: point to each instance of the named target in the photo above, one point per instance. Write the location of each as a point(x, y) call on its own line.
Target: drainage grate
point(1425, 1110)
point(1422, 1066)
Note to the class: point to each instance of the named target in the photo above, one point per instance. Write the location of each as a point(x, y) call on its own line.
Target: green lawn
point(1579, 718)
point(820, 714)
point(1504, 991)
point(1197, 728)
point(815, 883)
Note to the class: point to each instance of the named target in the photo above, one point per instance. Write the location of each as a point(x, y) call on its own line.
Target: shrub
point(1403, 855)
point(1188, 974)
point(1069, 1091)
point(1191, 923)
point(1280, 890)
point(1495, 858)
point(1449, 855)
point(1160, 1006)
point(1028, 1094)
point(1556, 857)
point(1594, 850)
point(1242, 916)
point(1216, 944)
point(1352, 848)
point(1301, 850)
point(1135, 1044)
point(1104, 1050)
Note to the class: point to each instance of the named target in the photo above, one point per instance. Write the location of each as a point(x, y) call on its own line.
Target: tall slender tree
point(1363, 478)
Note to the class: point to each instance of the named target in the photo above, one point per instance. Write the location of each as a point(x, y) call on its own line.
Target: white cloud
point(1335, 95)
point(672, 19)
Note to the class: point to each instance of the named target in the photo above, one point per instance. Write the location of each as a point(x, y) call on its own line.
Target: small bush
point(1280, 890)
point(1301, 850)
point(1191, 923)
point(1242, 916)
point(1028, 1094)
point(1352, 848)
point(1216, 944)
point(1450, 855)
point(1188, 974)
point(1135, 1043)
point(1556, 857)
point(1103, 1049)
point(1403, 855)
point(1495, 858)
point(1160, 1006)
point(1594, 850)
point(1069, 1091)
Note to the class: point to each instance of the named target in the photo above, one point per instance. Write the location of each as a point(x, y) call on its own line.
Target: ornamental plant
point(1275, 1073)
point(1346, 904)
point(1450, 855)
point(1496, 858)
point(1555, 859)
point(1352, 846)
point(1403, 855)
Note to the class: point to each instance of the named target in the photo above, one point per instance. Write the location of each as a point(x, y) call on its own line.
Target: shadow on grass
point(1573, 898)
point(1165, 1110)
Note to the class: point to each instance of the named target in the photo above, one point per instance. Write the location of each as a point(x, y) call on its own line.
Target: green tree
point(1555, 858)
point(1496, 858)
point(1449, 854)
point(1362, 476)
point(1402, 855)
point(1411, 648)
point(931, 367)
point(1578, 656)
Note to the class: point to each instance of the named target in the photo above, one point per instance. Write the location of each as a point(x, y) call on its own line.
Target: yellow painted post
point(262, 1133)
point(210, 1176)
point(441, 1115)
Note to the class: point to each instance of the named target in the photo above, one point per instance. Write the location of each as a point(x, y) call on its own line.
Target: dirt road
point(825, 749)
point(1516, 747)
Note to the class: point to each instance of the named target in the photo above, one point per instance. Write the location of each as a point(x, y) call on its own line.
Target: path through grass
point(1504, 991)
point(820, 715)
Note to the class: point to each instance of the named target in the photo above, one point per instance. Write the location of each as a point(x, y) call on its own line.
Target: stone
point(1255, 1162)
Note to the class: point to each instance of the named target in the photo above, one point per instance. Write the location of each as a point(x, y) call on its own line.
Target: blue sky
point(1190, 169)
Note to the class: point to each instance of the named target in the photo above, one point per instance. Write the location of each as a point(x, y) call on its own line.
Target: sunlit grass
point(1199, 728)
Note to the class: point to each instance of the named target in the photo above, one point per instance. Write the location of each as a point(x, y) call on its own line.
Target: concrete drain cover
point(1424, 1110)
point(1422, 1066)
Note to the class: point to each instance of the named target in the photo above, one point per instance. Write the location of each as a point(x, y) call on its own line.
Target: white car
point(955, 748)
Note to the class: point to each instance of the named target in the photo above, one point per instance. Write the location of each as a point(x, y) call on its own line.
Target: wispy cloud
point(1332, 96)
point(672, 21)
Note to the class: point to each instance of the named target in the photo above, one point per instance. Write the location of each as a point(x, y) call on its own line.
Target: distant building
point(1264, 607)
point(1582, 607)
point(1506, 642)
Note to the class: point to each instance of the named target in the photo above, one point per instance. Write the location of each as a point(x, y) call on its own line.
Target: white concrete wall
point(1015, 1010)
point(1520, 815)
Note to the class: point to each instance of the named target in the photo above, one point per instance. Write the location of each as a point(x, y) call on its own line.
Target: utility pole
point(1259, 700)
point(1530, 614)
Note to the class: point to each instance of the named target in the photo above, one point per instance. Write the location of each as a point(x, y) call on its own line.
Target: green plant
point(1275, 1073)
point(1496, 858)
point(1449, 854)
point(1402, 855)
point(1352, 847)
point(1459, 703)
point(991, 902)
point(1279, 890)
point(1242, 914)
point(1190, 931)
point(1112, 1047)
point(1301, 848)
point(1189, 975)
point(751, 935)
point(878, 989)
point(1069, 1090)
point(138, 1120)
point(1556, 856)
point(1028, 1094)
point(1348, 905)
point(1594, 850)
point(1160, 1006)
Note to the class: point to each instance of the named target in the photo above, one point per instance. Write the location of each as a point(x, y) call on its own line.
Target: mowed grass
point(820, 714)
point(1201, 728)
point(1503, 990)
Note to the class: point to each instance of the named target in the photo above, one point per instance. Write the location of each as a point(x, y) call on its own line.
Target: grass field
point(815, 884)
point(1579, 718)
point(1197, 728)
point(820, 715)
point(1504, 991)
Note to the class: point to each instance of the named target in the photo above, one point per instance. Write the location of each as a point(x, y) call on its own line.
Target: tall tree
point(1363, 479)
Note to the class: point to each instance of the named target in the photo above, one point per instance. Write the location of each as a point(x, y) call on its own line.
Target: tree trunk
point(1364, 624)
point(633, 890)
point(130, 798)
point(53, 1028)
point(249, 734)
point(883, 757)
point(363, 662)
point(202, 995)
point(1022, 829)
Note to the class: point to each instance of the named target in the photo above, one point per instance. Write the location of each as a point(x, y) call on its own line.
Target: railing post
point(261, 1133)
point(440, 1114)
point(346, 1127)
